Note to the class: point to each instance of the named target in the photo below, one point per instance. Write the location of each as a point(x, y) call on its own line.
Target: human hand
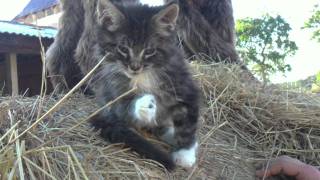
point(290, 167)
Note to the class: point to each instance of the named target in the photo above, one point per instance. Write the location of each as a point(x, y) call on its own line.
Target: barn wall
point(30, 74)
point(2, 74)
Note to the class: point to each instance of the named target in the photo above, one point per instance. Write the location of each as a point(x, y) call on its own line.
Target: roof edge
point(28, 24)
point(31, 30)
point(22, 15)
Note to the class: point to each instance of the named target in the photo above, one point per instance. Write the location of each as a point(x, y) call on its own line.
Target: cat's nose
point(135, 67)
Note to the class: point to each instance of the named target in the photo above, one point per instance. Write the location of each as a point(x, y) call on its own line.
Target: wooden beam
point(12, 73)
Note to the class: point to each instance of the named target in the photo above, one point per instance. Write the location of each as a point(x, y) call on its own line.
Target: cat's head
point(139, 37)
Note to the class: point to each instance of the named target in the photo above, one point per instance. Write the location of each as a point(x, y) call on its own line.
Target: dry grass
point(240, 125)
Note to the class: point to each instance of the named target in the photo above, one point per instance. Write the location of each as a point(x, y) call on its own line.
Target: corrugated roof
point(36, 6)
point(27, 30)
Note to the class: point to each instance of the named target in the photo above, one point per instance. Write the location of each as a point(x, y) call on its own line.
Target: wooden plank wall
point(17, 51)
point(3, 89)
point(11, 43)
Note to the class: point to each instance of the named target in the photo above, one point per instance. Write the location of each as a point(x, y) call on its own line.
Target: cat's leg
point(116, 130)
point(63, 71)
point(144, 110)
point(186, 157)
point(185, 125)
point(167, 135)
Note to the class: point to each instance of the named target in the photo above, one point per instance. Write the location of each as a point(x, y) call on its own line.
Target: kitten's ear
point(109, 15)
point(166, 19)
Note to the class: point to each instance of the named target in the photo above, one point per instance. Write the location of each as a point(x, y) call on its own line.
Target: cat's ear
point(166, 19)
point(109, 15)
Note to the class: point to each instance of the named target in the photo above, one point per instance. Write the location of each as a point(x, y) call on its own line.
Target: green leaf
point(264, 44)
point(313, 23)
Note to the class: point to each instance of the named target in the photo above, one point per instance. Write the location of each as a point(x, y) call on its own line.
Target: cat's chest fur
point(147, 82)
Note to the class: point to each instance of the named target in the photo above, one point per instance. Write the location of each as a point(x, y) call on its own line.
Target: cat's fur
point(63, 70)
point(141, 44)
point(207, 27)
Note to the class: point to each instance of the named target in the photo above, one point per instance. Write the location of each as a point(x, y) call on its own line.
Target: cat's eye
point(147, 53)
point(123, 50)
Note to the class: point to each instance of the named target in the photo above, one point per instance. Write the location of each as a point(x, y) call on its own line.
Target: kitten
point(63, 70)
point(143, 53)
point(204, 26)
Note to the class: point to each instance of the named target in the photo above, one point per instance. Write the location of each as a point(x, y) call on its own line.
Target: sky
point(305, 63)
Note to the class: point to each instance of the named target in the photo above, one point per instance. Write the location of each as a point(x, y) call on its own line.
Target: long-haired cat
point(63, 70)
point(204, 26)
point(142, 52)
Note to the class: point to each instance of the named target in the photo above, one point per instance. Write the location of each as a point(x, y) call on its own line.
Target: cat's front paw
point(145, 109)
point(168, 136)
point(186, 158)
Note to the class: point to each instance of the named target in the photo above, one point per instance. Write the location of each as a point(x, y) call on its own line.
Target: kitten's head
point(138, 37)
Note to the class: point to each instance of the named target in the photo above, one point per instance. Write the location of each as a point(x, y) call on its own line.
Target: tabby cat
point(205, 27)
point(142, 52)
point(63, 70)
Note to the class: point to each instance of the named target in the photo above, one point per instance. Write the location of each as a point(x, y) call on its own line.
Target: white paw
point(145, 109)
point(186, 157)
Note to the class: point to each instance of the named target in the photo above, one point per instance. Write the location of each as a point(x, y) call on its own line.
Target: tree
point(264, 43)
point(316, 85)
point(318, 78)
point(314, 23)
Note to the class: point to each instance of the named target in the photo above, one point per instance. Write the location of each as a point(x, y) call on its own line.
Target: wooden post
point(12, 73)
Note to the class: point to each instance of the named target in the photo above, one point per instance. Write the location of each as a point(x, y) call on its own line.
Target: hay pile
point(240, 125)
